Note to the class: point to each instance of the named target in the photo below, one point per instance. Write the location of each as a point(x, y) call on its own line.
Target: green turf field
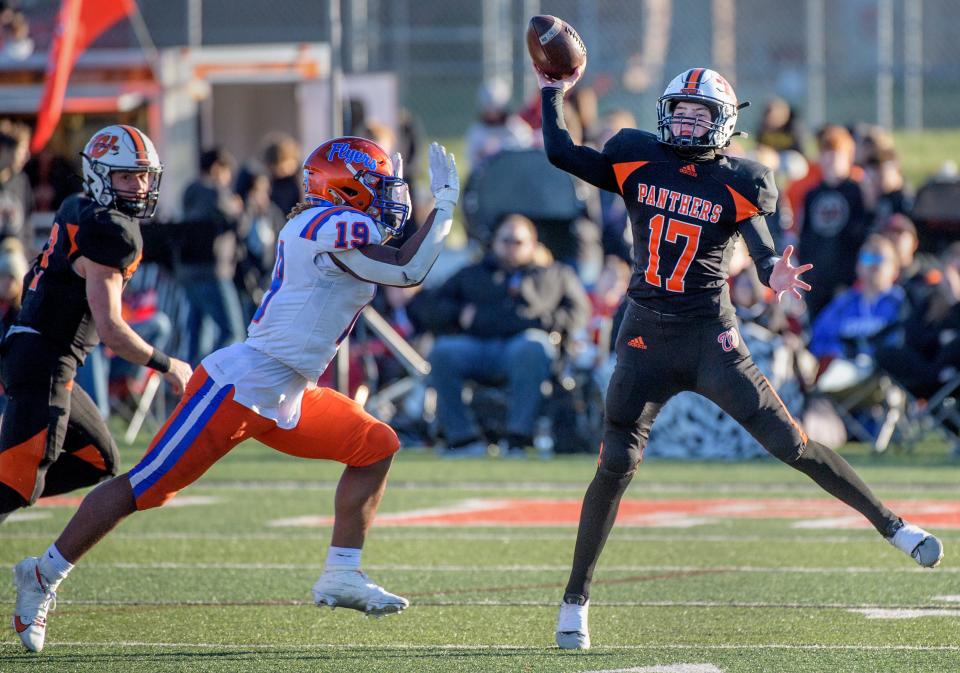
point(221, 584)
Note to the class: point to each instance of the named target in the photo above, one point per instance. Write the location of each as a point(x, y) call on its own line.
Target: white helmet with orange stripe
point(122, 149)
point(704, 87)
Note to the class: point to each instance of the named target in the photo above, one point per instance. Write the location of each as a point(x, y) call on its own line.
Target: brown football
point(554, 46)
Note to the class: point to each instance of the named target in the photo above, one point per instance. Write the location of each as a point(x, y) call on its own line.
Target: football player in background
point(330, 256)
point(53, 438)
point(688, 203)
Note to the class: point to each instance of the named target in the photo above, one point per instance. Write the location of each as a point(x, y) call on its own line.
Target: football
point(554, 46)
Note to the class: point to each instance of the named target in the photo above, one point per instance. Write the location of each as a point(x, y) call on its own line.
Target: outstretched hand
point(785, 277)
point(444, 181)
point(564, 84)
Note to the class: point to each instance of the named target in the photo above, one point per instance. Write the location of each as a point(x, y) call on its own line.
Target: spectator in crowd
point(13, 267)
point(15, 41)
point(260, 225)
point(20, 182)
point(890, 192)
point(281, 157)
point(918, 271)
point(13, 211)
point(835, 221)
point(494, 321)
point(780, 127)
point(861, 318)
point(208, 254)
point(927, 352)
point(139, 308)
point(496, 127)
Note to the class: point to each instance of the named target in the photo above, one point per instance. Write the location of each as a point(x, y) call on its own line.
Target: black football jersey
point(685, 214)
point(54, 295)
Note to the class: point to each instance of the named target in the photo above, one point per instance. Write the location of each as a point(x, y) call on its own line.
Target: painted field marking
point(670, 668)
point(948, 599)
point(906, 613)
point(655, 513)
point(456, 568)
point(496, 603)
point(499, 534)
point(533, 649)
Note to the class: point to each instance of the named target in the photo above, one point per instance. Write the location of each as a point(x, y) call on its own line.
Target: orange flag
point(79, 23)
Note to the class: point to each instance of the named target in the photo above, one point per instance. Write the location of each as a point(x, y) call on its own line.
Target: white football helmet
point(707, 87)
point(121, 148)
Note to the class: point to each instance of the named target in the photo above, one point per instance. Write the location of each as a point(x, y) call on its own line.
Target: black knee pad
point(622, 450)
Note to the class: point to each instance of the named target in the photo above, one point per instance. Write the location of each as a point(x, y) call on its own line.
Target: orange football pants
point(208, 423)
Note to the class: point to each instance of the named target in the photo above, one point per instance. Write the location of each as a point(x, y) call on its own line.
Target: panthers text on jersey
point(54, 295)
point(686, 214)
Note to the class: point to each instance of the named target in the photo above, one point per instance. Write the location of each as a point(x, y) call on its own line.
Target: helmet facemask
point(390, 204)
point(98, 181)
point(719, 127)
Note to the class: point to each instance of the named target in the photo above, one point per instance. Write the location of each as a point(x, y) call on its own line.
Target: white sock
point(343, 558)
point(53, 566)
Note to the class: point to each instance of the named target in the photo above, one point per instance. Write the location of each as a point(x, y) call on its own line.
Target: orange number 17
point(675, 229)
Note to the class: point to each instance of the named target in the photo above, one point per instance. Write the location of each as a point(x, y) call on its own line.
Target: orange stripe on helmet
point(140, 150)
point(692, 84)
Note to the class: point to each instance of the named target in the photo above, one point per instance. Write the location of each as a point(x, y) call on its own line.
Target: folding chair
point(938, 413)
point(853, 387)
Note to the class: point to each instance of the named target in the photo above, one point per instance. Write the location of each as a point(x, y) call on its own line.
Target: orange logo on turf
point(637, 342)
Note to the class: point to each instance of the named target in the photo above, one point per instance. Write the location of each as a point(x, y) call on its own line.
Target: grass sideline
point(218, 586)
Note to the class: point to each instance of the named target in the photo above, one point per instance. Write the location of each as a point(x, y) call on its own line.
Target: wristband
point(159, 361)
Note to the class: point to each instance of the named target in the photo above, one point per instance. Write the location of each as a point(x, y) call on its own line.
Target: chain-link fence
point(881, 61)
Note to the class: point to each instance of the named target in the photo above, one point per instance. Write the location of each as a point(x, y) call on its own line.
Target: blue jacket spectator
point(863, 317)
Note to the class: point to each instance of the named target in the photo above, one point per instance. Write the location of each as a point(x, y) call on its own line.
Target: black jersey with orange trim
point(54, 295)
point(686, 213)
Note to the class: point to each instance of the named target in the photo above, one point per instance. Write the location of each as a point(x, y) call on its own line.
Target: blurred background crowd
point(507, 348)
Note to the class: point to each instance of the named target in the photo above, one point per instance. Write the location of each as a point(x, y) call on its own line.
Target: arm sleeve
point(583, 162)
point(756, 233)
point(105, 237)
point(759, 242)
point(404, 266)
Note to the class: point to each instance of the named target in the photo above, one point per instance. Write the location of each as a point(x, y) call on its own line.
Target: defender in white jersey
point(330, 256)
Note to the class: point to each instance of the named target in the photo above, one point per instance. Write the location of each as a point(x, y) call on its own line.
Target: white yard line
point(457, 568)
point(506, 535)
point(457, 603)
point(542, 649)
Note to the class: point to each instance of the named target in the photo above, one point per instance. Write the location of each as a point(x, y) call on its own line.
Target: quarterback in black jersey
point(53, 439)
point(688, 203)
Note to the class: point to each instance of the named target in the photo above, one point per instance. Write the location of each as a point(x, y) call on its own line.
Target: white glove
point(444, 181)
point(397, 160)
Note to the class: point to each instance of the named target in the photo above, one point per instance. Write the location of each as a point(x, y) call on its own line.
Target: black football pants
point(660, 355)
point(52, 439)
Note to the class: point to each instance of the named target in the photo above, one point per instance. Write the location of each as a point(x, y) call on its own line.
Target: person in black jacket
point(208, 253)
point(495, 319)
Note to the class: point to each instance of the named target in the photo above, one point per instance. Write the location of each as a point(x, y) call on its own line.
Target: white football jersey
point(312, 303)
